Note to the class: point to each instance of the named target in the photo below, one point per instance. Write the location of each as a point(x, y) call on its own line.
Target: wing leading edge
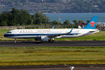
point(53, 36)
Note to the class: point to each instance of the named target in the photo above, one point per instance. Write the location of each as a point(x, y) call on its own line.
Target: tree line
point(21, 17)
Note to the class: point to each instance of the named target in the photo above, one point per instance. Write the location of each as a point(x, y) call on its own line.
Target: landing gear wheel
point(53, 41)
point(49, 40)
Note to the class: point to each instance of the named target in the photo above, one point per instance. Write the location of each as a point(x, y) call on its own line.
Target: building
point(81, 25)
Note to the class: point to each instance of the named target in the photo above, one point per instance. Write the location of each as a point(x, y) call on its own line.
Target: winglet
point(92, 23)
point(53, 27)
point(71, 30)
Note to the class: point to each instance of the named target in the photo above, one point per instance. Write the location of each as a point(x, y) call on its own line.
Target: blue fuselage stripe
point(9, 35)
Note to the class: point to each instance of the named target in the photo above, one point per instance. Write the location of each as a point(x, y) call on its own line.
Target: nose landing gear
point(15, 40)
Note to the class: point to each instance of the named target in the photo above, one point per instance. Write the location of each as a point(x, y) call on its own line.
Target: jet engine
point(38, 39)
point(42, 38)
point(45, 38)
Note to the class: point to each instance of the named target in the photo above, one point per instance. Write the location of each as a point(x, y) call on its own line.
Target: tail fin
point(92, 23)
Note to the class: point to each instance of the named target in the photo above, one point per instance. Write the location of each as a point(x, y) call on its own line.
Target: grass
point(92, 37)
point(17, 56)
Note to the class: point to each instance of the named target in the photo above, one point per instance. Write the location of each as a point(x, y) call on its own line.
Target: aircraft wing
point(53, 36)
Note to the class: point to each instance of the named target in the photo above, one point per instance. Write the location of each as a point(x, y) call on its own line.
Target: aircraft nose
point(5, 35)
point(8, 35)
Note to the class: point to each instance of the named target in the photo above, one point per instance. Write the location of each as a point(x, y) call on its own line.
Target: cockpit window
point(8, 32)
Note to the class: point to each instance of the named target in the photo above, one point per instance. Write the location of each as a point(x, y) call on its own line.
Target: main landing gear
point(52, 40)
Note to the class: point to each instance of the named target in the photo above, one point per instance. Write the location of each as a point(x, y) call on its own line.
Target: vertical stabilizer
point(92, 23)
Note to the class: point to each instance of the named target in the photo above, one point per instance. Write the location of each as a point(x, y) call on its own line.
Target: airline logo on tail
point(92, 23)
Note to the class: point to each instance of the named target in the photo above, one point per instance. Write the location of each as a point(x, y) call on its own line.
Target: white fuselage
point(34, 33)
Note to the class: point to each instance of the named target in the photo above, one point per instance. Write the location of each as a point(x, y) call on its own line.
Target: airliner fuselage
point(34, 33)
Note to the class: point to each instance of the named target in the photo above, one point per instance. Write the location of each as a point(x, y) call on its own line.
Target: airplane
point(50, 34)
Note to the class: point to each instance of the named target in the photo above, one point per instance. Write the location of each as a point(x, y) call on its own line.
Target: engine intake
point(45, 38)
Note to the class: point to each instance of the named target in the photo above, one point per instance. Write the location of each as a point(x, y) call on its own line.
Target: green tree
point(14, 17)
point(39, 18)
point(45, 19)
point(80, 21)
point(55, 23)
point(87, 21)
point(4, 18)
point(67, 22)
point(15, 11)
point(3, 23)
point(75, 23)
point(24, 18)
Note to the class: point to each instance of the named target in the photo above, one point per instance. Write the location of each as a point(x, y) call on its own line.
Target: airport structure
point(81, 25)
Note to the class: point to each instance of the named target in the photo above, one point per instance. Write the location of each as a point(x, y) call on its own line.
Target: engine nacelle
point(45, 38)
point(38, 39)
